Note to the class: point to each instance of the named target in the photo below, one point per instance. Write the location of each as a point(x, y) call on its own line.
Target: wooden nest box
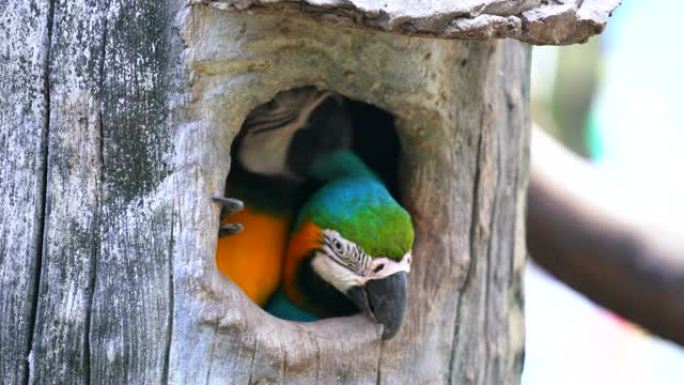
point(127, 111)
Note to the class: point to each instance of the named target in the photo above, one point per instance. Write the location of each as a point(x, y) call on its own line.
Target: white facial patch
point(344, 264)
point(335, 274)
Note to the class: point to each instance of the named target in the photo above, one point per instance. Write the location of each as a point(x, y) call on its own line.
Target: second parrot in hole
point(350, 246)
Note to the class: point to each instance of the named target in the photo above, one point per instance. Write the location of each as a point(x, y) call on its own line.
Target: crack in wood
point(284, 366)
point(489, 281)
point(42, 216)
point(378, 377)
point(170, 313)
point(212, 352)
point(473, 252)
point(252, 365)
point(99, 220)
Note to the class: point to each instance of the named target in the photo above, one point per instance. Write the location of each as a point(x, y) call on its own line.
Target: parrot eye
point(379, 267)
point(272, 104)
point(338, 246)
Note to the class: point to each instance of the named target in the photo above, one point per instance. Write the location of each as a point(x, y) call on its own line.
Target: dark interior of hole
point(374, 140)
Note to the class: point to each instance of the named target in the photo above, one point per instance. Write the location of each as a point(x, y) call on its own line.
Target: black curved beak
point(384, 300)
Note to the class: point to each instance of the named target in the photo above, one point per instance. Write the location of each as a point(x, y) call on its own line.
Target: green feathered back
point(355, 203)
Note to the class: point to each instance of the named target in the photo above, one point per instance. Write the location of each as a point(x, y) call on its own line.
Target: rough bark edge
point(537, 22)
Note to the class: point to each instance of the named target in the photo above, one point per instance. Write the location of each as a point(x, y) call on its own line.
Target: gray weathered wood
point(105, 298)
point(532, 21)
point(133, 298)
point(144, 100)
point(24, 37)
point(73, 190)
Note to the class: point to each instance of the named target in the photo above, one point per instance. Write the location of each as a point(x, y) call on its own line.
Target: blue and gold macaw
point(349, 247)
point(273, 149)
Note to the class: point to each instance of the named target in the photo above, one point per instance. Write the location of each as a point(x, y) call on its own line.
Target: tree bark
point(86, 242)
point(109, 231)
point(25, 32)
point(532, 21)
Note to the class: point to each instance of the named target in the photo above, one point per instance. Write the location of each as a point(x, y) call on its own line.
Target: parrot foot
point(230, 229)
point(229, 206)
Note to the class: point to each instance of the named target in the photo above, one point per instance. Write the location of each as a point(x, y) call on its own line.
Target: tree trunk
point(115, 132)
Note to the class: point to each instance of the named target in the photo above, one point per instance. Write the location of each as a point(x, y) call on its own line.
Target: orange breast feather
point(306, 239)
point(253, 258)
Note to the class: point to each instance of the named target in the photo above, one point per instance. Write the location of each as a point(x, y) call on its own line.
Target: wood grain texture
point(533, 21)
point(24, 37)
point(104, 301)
point(132, 296)
point(60, 351)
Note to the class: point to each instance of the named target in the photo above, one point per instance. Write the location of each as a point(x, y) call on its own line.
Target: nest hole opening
point(271, 175)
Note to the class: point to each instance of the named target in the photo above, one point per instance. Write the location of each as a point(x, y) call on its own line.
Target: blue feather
point(282, 307)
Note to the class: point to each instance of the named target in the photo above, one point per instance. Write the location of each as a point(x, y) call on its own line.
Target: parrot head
point(269, 131)
point(351, 246)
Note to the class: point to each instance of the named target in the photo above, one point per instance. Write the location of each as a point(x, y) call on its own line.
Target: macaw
point(253, 253)
point(277, 142)
point(353, 211)
point(282, 137)
point(350, 248)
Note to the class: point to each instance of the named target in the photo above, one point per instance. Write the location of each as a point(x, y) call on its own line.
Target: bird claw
point(230, 229)
point(229, 206)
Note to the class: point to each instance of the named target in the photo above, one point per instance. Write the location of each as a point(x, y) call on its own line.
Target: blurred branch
point(583, 234)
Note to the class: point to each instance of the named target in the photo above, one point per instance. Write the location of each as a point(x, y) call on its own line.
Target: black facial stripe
point(332, 255)
point(321, 294)
point(285, 114)
point(264, 114)
point(360, 257)
point(272, 125)
point(352, 258)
